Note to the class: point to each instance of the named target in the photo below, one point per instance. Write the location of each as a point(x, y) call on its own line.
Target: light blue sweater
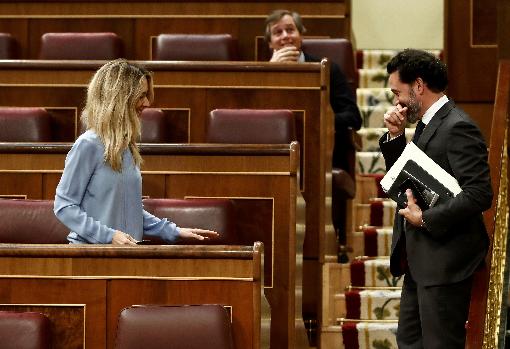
point(94, 201)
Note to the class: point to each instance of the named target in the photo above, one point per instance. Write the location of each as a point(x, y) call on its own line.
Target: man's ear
point(420, 85)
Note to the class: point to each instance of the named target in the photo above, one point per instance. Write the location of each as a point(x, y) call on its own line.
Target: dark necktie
point(418, 131)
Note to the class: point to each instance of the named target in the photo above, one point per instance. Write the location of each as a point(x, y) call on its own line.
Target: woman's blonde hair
point(110, 111)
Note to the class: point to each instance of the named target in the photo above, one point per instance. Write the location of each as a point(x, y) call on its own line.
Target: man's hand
point(286, 54)
point(395, 120)
point(199, 234)
point(412, 213)
point(120, 238)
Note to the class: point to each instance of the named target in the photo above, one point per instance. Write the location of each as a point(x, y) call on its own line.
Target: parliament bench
point(259, 180)
point(186, 92)
point(34, 222)
point(138, 23)
point(83, 289)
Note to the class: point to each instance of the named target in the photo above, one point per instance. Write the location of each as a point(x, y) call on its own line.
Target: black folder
point(427, 190)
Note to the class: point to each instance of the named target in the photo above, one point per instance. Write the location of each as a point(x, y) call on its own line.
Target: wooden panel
point(484, 29)
point(200, 91)
point(280, 250)
point(154, 185)
point(80, 321)
point(487, 297)
point(261, 179)
point(83, 301)
point(22, 184)
point(237, 295)
point(471, 60)
point(137, 21)
point(503, 25)
point(262, 189)
point(200, 88)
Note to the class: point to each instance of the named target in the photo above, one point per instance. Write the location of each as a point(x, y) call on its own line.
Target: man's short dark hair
point(412, 64)
point(276, 15)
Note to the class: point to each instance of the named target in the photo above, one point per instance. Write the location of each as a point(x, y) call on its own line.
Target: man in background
point(284, 34)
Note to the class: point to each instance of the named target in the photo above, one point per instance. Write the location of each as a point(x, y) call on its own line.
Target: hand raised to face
point(286, 54)
point(395, 120)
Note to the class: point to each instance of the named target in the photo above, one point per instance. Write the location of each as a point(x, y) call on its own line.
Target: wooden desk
point(137, 21)
point(188, 91)
point(82, 289)
point(261, 179)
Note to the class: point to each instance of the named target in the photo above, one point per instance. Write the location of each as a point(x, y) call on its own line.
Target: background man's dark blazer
point(346, 111)
point(455, 240)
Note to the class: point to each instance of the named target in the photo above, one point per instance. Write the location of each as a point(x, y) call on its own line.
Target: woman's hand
point(120, 238)
point(199, 234)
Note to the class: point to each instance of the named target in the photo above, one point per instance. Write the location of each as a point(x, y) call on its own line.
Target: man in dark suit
point(284, 31)
point(437, 249)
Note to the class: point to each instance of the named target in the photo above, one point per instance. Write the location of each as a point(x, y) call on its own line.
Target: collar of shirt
point(433, 109)
point(301, 58)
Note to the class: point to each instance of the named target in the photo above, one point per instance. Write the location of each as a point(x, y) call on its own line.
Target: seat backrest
point(251, 126)
point(195, 47)
point(177, 327)
point(93, 46)
point(155, 128)
point(8, 46)
point(20, 124)
point(24, 330)
point(212, 214)
point(30, 222)
point(338, 51)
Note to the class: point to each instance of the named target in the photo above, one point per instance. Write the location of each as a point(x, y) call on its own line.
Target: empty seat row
point(33, 221)
point(108, 46)
point(21, 124)
point(175, 47)
point(142, 326)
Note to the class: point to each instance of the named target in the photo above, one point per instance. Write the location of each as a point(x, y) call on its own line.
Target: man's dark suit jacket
point(454, 242)
point(346, 111)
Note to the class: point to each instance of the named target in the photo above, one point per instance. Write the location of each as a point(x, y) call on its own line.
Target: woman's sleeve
point(153, 226)
point(80, 164)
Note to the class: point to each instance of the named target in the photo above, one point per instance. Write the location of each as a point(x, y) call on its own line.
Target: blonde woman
point(99, 197)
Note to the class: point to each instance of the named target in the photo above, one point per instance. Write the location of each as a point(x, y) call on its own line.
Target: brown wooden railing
point(138, 22)
point(483, 324)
